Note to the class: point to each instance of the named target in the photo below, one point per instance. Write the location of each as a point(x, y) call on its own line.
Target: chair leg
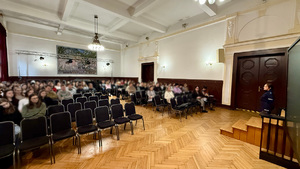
point(100, 138)
point(143, 123)
point(14, 159)
point(117, 129)
point(79, 145)
point(53, 155)
point(111, 129)
point(50, 150)
point(186, 113)
point(124, 126)
point(19, 159)
point(131, 127)
point(135, 122)
point(180, 115)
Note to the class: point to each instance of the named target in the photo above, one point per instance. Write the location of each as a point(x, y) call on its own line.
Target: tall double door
point(253, 73)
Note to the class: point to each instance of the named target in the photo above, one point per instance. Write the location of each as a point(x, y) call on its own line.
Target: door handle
point(259, 88)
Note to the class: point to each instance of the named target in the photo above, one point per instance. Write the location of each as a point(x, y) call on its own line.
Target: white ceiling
point(120, 21)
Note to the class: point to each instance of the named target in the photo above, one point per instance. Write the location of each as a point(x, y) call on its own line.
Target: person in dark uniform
point(267, 99)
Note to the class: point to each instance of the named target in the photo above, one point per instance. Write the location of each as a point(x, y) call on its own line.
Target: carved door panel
point(273, 70)
point(253, 73)
point(247, 83)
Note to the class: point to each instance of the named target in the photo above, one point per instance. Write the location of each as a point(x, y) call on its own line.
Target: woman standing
point(35, 108)
point(267, 99)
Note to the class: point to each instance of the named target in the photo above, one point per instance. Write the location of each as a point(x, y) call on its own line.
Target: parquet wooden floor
point(166, 143)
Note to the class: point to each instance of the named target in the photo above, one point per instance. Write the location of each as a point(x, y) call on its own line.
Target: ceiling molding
point(69, 4)
point(140, 7)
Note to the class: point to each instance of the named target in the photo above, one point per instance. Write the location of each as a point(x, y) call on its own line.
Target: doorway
point(252, 71)
point(148, 72)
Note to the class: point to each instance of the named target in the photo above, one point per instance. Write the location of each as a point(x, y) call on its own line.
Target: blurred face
point(169, 89)
point(48, 89)
point(91, 85)
point(43, 94)
point(24, 87)
point(5, 105)
point(266, 87)
point(18, 91)
point(151, 88)
point(30, 92)
point(58, 84)
point(197, 89)
point(63, 88)
point(34, 99)
point(10, 94)
point(70, 86)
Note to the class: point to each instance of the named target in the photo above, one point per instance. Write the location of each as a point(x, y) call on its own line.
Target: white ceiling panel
point(53, 6)
point(135, 29)
point(170, 12)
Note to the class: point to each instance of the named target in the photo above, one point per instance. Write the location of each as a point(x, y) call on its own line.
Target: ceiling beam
point(117, 25)
point(67, 9)
point(35, 14)
point(210, 9)
point(140, 7)
point(120, 10)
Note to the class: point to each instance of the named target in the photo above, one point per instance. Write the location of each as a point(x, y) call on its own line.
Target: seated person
point(197, 96)
point(91, 88)
point(71, 88)
point(157, 87)
point(25, 100)
point(80, 89)
point(50, 92)
point(63, 93)
point(130, 89)
point(150, 94)
point(44, 98)
point(35, 108)
point(176, 89)
point(8, 112)
point(169, 94)
point(208, 98)
point(185, 88)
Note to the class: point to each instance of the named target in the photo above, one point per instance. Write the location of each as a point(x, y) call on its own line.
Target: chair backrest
point(117, 111)
point(76, 95)
point(94, 98)
point(103, 97)
point(65, 102)
point(55, 102)
point(114, 101)
point(33, 128)
point(81, 100)
point(73, 107)
point(98, 94)
point(55, 109)
point(129, 109)
point(101, 114)
point(173, 103)
point(143, 93)
point(103, 102)
point(7, 133)
point(84, 117)
point(90, 105)
point(60, 122)
point(133, 98)
point(179, 100)
point(138, 95)
point(87, 95)
point(157, 100)
point(184, 99)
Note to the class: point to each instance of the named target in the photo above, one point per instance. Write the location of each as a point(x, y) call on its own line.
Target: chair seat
point(135, 117)
point(162, 105)
point(6, 150)
point(33, 143)
point(106, 124)
point(122, 120)
point(63, 134)
point(86, 129)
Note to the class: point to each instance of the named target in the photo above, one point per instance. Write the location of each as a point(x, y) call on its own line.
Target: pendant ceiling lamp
point(209, 1)
point(96, 45)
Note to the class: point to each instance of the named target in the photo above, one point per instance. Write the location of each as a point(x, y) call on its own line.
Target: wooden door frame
point(148, 63)
point(258, 53)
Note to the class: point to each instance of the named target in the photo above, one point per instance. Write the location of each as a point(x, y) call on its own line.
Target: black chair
point(73, 107)
point(7, 141)
point(90, 105)
point(65, 102)
point(94, 98)
point(87, 95)
point(133, 98)
point(176, 108)
point(61, 128)
point(103, 121)
point(103, 97)
point(131, 113)
point(103, 102)
point(114, 101)
point(81, 100)
point(118, 116)
point(98, 94)
point(76, 95)
point(138, 97)
point(159, 104)
point(55, 102)
point(34, 134)
point(84, 124)
point(55, 109)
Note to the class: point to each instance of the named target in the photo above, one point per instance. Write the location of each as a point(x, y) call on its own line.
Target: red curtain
point(3, 55)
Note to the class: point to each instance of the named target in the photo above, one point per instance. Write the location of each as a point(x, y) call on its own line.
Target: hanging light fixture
point(209, 1)
point(96, 45)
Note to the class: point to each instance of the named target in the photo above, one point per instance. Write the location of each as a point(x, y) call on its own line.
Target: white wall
point(184, 56)
point(29, 65)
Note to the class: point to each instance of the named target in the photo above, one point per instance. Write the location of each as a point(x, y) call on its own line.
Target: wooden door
point(148, 72)
point(273, 70)
point(253, 73)
point(247, 83)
